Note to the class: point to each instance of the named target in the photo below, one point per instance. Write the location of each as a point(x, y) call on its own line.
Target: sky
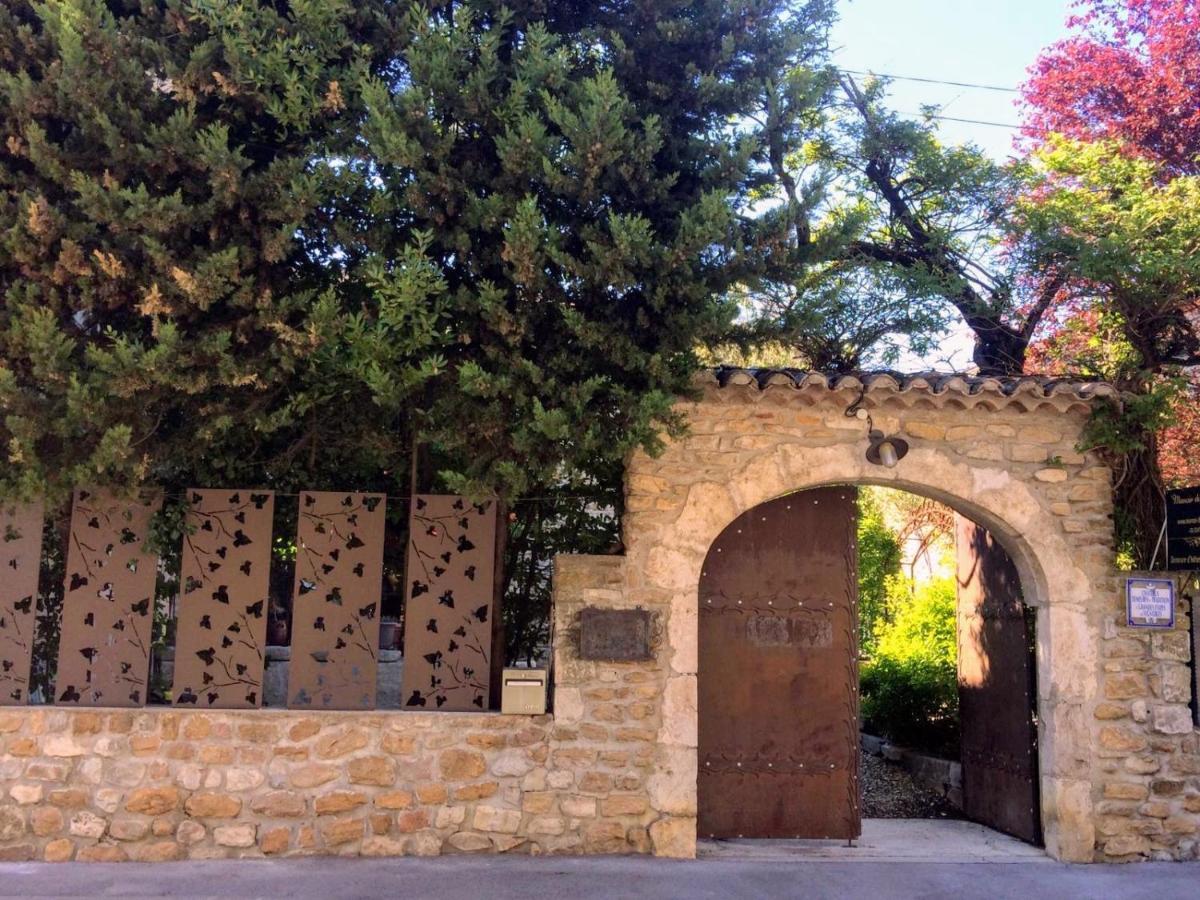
point(991, 43)
point(973, 41)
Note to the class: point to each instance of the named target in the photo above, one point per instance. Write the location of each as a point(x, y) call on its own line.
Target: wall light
point(885, 451)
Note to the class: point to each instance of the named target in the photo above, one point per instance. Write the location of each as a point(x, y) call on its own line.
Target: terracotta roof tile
point(1033, 389)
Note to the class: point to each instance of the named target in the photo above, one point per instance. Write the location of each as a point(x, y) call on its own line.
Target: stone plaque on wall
point(221, 616)
point(450, 597)
point(20, 559)
point(108, 603)
point(616, 635)
point(335, 602)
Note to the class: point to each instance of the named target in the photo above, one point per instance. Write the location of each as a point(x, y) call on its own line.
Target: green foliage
point(1125, 427)
point(249, 242)
point(1125, 232)
point(576, 172)
point(910, 684)
point(878, 565)
point(167, 247)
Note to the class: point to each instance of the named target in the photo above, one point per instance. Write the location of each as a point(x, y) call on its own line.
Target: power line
point(967, 121)
point(966, 84)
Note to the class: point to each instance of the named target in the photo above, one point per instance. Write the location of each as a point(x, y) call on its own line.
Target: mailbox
point(523, 692)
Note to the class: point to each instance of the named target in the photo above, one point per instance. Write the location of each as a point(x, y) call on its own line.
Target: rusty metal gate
point(778, 672)
point(996, 688)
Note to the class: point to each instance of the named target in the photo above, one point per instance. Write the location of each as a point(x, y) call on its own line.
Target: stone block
point(467, 842)
point(279, 805)
point(152, 801)
point(462, 765)
point(1172, 719)
point(494, 819)
point(394, 800)
point(102, 853)
point(46, 820)
point(674, 836)
point(339, 802)
point(374, 770)
point(86, 824)
point(209, 805)
point(341, 743)
point(342, 831)
point(240, 835)
point(274, 841)
point(60, 850)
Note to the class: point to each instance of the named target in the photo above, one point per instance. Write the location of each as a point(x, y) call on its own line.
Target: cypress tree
point(275, 242)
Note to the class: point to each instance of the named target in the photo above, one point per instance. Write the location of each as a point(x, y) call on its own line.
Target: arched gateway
point(1000, 451)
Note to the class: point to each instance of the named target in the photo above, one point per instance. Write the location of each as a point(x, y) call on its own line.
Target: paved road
point(567, 878)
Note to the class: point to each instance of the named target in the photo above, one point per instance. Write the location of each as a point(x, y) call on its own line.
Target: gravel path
point(890, 793)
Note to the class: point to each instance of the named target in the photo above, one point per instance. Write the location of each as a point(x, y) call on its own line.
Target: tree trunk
point(1138, 497)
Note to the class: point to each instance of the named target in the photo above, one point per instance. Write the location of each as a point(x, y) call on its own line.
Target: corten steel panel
point(778, 676)
point(448, 632)
point(108, 603)
point(20, 559)
point(335, 604)
point(996, 688)
point(221, 615)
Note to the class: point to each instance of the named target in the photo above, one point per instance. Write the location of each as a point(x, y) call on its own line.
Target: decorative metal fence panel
point(20, 556)
point(108, 599)
point(222, 616)
point(336, 599)
point(448, 628)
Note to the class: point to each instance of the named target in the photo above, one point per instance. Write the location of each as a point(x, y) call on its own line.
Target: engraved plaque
point(618, 635)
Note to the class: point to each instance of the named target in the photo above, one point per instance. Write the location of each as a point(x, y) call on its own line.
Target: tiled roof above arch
point(935, 388)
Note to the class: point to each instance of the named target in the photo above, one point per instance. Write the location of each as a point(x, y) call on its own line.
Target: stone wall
point(159, 783)
point(614, 768)
point(1149, 750)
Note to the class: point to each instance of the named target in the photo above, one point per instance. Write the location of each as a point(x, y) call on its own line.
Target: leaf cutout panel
point(108, 603)
point(222, 610)
point(335, 601)
point(20, 558)
point(448, 616)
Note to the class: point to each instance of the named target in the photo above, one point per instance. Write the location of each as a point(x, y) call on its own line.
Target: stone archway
point(1005, 459)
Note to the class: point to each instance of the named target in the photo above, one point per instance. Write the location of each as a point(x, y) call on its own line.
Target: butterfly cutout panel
point(108, 599)
point(335, 601)
point(448, 616)
point(20, 558)
point(222, 611)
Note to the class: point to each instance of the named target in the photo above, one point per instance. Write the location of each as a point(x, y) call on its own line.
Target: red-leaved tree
point(1130, 72)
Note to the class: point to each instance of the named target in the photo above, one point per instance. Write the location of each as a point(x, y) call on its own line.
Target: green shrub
point(910, 684)
point(878, 564)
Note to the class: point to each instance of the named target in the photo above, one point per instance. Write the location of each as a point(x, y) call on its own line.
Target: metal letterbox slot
point(523, 692)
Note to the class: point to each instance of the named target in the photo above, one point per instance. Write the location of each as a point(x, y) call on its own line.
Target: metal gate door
point(778, 672)
point(996, 688)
